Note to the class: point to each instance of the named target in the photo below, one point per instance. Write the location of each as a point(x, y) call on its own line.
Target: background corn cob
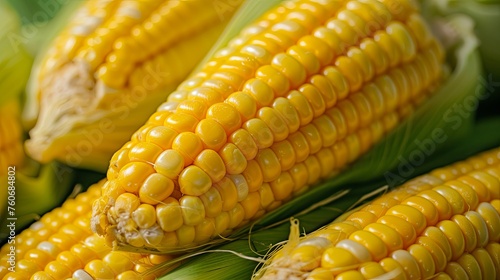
point(60, 245)
point(11, 144)
point(110, 69)
point(294, 98)
point(442, 224)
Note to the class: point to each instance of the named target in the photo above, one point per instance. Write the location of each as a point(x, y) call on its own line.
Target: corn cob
point(445, 224)
point(294, 98)
point(11, 145)
point(60, 245)
point(110, 69)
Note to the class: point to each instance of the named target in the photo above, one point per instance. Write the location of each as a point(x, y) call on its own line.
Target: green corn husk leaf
point(486, 16)
point(15, 62)
point(441, 121)
point(37, 190)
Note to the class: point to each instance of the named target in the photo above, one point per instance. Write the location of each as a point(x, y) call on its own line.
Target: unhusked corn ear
point(108, 71)
point(60, 245)
point(11, 142)
point(293, 99)
point(445, 224)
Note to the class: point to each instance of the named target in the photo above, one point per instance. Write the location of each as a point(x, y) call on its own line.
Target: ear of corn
point(442, 224)
point(294, 98)
point(11, 147)
point(110, 69)
point(60, 245)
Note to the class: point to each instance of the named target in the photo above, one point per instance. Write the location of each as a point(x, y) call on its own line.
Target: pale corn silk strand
point(192, 139)
point(469, 201)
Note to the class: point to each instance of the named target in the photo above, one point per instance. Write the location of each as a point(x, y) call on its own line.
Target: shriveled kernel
point(194, 181)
